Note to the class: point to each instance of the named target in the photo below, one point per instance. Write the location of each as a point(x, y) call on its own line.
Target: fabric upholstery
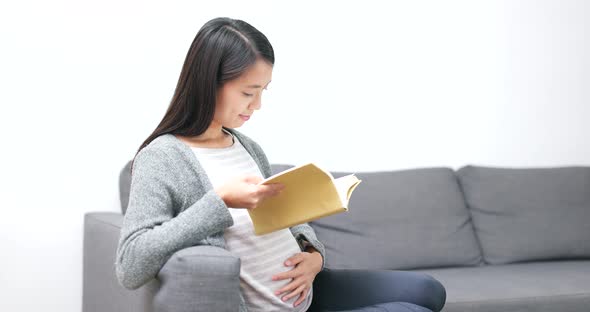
point(101, 290)
point(124, 186)
point(401, 220)
point(191, 266)
point(184, 275)
point(549, 286)
point(529, 214)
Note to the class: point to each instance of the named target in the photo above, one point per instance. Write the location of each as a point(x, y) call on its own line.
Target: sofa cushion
point(529, 214)
point(562, 286)
point(124, 186)
point(399, 220)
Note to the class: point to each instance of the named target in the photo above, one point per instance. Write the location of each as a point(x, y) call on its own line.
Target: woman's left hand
point(307, 266)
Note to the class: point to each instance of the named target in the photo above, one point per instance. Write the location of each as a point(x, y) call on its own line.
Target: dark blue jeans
point(376, 290)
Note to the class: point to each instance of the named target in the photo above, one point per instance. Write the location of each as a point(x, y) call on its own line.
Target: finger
point(270, 189)
point(297, 291)
point(253, 179)
point(298, 257)
point(301, 297)
point(289, 287)
point(288, 274)
point(278, 186)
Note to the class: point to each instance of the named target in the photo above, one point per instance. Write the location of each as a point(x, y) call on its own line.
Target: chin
point(235, 125)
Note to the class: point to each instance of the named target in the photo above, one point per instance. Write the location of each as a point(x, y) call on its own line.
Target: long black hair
point(222, 50)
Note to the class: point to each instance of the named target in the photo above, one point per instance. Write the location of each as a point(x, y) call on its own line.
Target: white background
point(356, 86)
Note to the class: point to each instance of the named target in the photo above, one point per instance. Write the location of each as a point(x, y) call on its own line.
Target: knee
point(433, 293)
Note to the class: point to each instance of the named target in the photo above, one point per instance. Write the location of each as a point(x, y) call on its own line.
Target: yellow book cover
point(310, 193)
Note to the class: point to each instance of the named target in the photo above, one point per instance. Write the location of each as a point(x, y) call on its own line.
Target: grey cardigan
point(172, 206)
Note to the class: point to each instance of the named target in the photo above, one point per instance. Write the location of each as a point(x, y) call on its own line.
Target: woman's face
point(237, 99)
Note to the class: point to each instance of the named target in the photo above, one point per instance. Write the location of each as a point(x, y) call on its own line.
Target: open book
point(310, 193)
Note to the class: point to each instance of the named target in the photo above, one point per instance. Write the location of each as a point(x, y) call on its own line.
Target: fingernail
point(288, 263)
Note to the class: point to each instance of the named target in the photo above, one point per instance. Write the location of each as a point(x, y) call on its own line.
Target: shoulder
point(164, 152)
point(164, 143)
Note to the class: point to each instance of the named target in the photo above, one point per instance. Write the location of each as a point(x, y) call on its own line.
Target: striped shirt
point(261, 256)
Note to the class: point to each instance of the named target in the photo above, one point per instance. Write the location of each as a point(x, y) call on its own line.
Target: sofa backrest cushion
point(125, 186)
point(401, 220)
point(527, 214)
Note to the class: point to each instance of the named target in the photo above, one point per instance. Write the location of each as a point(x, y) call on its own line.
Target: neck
point(213, 133)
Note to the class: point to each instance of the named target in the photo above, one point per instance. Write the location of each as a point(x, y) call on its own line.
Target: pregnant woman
point(195, 177)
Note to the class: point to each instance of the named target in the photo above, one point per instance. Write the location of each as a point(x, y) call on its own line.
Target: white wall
point(356, 86)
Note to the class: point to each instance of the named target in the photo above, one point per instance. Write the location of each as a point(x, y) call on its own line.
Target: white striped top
point(261, 256)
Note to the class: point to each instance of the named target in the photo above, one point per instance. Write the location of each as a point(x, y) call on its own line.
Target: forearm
point(146, 244)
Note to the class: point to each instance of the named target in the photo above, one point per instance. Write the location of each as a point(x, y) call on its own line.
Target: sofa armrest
point(199, 278)
point(101, 289)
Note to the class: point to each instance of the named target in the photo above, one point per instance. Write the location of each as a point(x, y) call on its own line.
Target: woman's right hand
point(244, 192)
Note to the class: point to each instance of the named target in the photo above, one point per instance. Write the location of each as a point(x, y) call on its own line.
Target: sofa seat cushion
point(402, 219)
point(535, 286)
point(529, 214)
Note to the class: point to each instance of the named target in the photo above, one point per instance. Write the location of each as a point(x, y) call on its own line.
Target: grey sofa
point(499, 239)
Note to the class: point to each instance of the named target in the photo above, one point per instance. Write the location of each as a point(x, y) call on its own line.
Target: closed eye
point(248, 94)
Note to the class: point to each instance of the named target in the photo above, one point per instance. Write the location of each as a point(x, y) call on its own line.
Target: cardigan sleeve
point(305, 235)
point(151, 231)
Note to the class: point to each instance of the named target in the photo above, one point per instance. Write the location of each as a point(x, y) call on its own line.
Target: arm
point(307, 265)
point(199, 278)
point(151, 231)
point(306, 237)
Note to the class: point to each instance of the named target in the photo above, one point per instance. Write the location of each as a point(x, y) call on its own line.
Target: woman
point(195, 176)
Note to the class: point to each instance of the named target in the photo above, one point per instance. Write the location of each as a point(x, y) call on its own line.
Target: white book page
point(343, 186)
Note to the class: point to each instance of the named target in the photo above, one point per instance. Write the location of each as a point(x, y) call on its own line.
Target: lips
point(245, 117)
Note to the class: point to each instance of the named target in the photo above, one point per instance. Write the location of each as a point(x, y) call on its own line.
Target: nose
point(256, 103)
